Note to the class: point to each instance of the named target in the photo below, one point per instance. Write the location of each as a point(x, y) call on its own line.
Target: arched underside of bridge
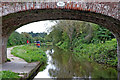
point(13, 21)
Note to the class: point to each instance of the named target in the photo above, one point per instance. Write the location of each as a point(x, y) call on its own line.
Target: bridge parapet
point(84, 10)
point(106, 8)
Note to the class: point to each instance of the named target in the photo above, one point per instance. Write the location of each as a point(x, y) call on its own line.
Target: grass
point(30, 53)
point(105, 53)
point(8, 75)
point(8, 60)
point(102, 53)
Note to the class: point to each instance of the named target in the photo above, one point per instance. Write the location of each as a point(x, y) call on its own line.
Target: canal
point(64, 64)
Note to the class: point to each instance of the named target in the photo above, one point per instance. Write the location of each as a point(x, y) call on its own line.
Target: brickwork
point(106, 8)
point(16, 14)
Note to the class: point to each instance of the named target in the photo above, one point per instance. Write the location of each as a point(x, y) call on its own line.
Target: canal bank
point(25, 70)
point(20, 66)
point(65, 64)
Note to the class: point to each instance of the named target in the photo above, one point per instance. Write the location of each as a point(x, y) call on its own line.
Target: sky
point(36, 27)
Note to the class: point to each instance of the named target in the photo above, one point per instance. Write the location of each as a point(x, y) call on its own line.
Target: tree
point(69, 33)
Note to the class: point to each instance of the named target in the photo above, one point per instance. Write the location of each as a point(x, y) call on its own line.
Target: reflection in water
point(63, 64)
point(45, 73)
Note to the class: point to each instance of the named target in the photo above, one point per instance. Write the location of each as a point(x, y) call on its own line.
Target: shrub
point(102, 53)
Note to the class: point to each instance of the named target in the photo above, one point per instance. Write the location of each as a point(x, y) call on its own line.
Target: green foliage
point(64, 45)
point(8, 75)
point(101, 34)
point(43, 67)
point(56, 35)
point(43, 34)
point(38, 36)
point(86, 39)
point(69, 32)
point(68, 61)
point(20, 39)
point(8, 60)
point(102, 53)
point(30, 53)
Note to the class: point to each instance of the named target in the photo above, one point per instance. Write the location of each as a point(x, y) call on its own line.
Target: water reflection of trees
point(68, 67)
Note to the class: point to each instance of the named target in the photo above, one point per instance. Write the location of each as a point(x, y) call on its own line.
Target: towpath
point(12, 57)
point(19, 65)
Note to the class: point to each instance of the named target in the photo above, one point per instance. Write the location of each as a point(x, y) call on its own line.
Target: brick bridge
point(15, 14)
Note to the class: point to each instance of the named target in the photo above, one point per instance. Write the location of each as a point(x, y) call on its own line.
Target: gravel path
point(12, 57)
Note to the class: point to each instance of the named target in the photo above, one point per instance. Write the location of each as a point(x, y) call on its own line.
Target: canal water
point(64, 64)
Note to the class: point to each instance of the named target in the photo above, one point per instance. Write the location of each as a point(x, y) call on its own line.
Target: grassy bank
point(105, 53)
point(46, 44)
point(8, 75)
point(30, 53)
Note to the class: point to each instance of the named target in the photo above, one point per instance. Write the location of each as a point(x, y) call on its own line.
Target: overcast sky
point(41, 26)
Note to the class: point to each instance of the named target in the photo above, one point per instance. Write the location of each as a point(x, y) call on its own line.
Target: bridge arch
point(12, 21)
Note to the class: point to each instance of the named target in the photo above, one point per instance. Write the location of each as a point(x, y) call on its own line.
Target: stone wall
point(106, 8)
point(16, 14)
